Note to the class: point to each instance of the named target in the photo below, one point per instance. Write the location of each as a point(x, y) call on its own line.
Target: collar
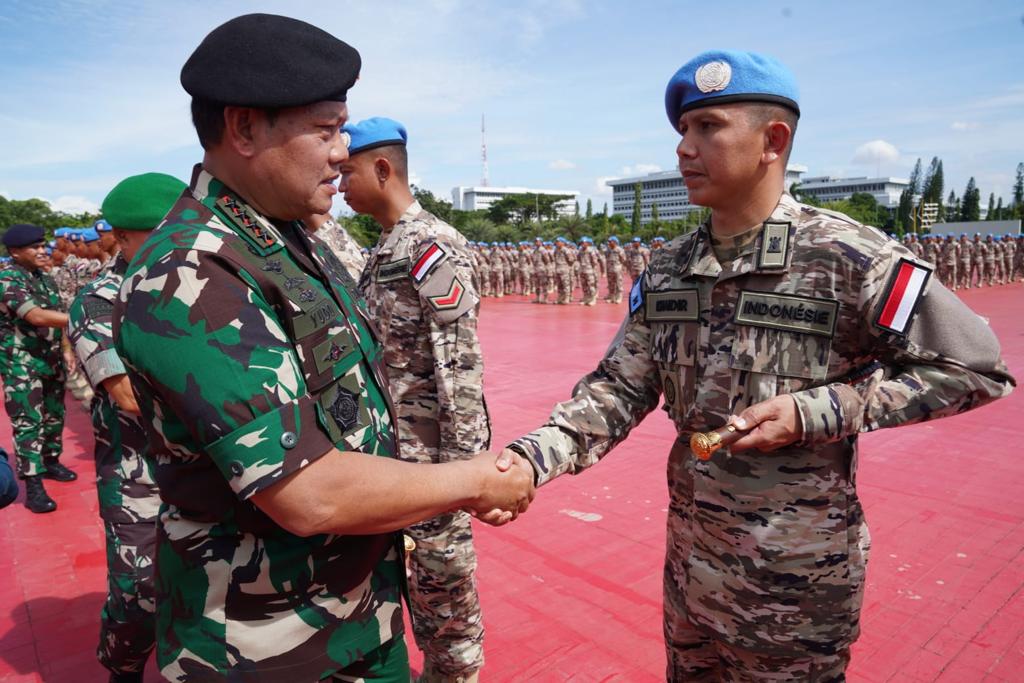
point(213, 194)
point(395, 234)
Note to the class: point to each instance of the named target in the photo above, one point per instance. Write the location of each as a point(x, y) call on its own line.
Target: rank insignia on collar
point(774, 245)
point(242, 218)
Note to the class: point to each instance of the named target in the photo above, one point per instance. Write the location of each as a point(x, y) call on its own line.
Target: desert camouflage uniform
point(498, 264)
point(421, 292)
point(766, 552)
point(128, 497)
point(526, 270)
point(947, 263)
point(915, 246)
point(1009, 249)
point(615, 261)
point(540, 257)
point(590, 268)
point(510, 261)
point(32, 368)
point(343, 246)
point(563, 274)
point(70, 279)
point(978, 251)
point(251, 358)
point(965, 253)
point(1018, 257)
point(990, 254)
point(483, 270)
point(635, 261)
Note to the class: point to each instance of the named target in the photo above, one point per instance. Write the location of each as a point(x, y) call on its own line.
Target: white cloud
point(640, 169)
point(601, 187)
point(964, 125)
point(74, 204)
point(561, 165)
point(876, 152)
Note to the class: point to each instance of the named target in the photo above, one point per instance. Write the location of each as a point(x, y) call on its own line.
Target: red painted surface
point(572, 591)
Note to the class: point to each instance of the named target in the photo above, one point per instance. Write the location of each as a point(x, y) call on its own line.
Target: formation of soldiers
point(963, 263)
point(551, 271)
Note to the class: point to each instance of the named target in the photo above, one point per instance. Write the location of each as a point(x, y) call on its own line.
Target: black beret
point(22, 235)
point(266, 60)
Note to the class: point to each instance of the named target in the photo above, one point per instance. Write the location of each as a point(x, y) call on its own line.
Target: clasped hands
point(505, 486)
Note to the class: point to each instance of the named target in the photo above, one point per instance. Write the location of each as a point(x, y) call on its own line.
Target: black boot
point(36, 499)
point(126, 677)
point(57, 472)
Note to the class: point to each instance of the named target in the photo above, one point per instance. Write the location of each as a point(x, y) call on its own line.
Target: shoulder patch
point(449, 300)
point(425, 265)
point(636, 294)
point(241, 219)
point(902, 296)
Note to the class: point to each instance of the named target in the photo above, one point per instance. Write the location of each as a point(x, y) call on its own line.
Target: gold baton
point(704, 444)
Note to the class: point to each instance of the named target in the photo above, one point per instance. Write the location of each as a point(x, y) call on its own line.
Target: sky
point(572, 91)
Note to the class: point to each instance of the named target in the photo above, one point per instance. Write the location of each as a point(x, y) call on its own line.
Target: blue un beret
point(90, 235)
point(375, 132)
point(724, 76)
point(22, 235)
point(102, 226)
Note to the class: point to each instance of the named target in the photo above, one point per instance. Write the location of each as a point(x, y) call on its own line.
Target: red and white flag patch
point(902, 296)
point(431, 257)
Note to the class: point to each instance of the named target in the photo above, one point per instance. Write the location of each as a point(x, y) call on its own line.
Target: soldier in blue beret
point(752, 332)
point(32, 364)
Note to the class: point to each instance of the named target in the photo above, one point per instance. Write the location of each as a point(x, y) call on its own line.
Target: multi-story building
point(886, 191)
point(667, 190)
point(482, 197)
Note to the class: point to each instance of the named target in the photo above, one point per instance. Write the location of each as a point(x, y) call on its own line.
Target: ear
point(776, 140)
point(382, 169)
point(240, 125)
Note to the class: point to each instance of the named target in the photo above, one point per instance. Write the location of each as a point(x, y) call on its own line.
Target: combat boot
point(58, 472)
point(36, 498)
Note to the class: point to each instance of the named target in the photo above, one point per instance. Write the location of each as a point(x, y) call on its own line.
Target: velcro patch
point(393, 270)
point(426, 263)
point(636, 295)
point(451, 299)
point(774, 245)
point(902, 296)
point(787, 312)
point(678, 304)
point(97, 309)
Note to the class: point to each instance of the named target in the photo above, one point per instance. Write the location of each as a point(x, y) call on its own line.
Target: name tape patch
point(787, 312)
point(679, 304)
point(902, 296)
point(393, 270)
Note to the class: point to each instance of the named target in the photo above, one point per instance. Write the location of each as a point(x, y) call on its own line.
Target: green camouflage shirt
point(251, 359)
point(127, 491)
point(27, 350)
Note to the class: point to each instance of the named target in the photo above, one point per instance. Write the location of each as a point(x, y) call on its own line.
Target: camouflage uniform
point(590, 268)
point(766, 552)
point(615, 261)
point(540, 257)
point(1009, 258)
point(964, 255)
point(128, 497)
point(498, 264)
point(990, 252)
point(563, 274)
point(419, 288)
point(510, 277)
point(69, 279)
point(635, 262)
point(978, 251)
point(343, 246)
point(484, 270)
point(32, 368)
point(947, 263)
point(251, 358)
point(526, 270)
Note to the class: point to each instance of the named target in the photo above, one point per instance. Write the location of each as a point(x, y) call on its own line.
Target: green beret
point(141, 201)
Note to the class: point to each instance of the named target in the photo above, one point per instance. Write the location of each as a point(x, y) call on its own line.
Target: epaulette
point(241, 219)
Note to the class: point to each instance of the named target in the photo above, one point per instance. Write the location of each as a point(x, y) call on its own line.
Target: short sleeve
point(17, 295)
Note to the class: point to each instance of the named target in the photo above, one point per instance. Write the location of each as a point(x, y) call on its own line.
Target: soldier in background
point(965, 254)
point(930, 250)
point(31, 364)
point(757, 320)
point(340, 242)
point(990, 253)
point(497, 270)
point(419, 285)
point(978, 251)
point(1009, 250)
point(590, 271)
point(526, 268)
point(947, 262)
point(1018, 256)
point(129, 500)
point(563, 272)
point(635, 259)
point(615, 261)
point(511, 259)
point(483, 259)
point(539, 257)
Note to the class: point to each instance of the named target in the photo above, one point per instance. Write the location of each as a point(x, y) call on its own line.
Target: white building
point(886, 191)
point(480, 198)
point(667, 190)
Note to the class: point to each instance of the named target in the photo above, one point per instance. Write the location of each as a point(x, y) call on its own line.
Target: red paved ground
point(572, 591)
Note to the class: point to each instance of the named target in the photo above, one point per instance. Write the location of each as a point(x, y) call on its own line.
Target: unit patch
point(677, 304)
point(774, 245)
point(902, 296)
point(787, 312)
point(393, 270)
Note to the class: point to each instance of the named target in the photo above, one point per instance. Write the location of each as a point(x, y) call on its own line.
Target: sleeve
point(604, 408)
point(451, 303)
point(938, 358)
point(18, 296)
point(235, 384)
point(91, 335)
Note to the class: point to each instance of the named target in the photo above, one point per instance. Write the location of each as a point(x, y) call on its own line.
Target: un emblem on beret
point(713, 76)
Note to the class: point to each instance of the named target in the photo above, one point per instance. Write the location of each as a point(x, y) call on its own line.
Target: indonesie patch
point(787, 312)
point(426, 263)
point(902, 296)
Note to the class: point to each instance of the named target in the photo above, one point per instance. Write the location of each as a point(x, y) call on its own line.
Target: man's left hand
point(70, 362)
point(772, 424)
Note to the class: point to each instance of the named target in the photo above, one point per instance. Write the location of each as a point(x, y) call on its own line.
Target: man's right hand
point(505, 487)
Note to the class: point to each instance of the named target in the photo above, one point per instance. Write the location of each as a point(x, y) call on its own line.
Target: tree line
point(39, 212)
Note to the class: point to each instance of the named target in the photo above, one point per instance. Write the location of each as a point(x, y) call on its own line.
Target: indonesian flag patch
point(449, 300)
point(426, 263)
point(902, 296)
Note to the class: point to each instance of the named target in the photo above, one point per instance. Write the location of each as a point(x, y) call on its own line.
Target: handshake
point(503, 485)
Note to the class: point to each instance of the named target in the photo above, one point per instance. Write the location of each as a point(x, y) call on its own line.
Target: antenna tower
point(483, 151)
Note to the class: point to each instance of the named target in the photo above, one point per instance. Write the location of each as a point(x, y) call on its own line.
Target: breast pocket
point(768, 362)
point(674, 349)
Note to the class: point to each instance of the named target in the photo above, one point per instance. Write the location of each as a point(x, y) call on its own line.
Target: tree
point(576, 211)
point(654, 212)
point(634, 224)
point(950, 214)
point(931, 191)
point(590, 209)
point(605, 211)
point(39, 212)
point(970, 208)
point(999, 210)
point(905, 212)
point(991, 215)
point(1018, 193)
point(439, 207)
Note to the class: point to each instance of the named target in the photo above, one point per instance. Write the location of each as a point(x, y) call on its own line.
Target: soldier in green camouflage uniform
point(760, 325)
point(31, 365)
point(261, 385)
point(420, 288)
point(128, 497)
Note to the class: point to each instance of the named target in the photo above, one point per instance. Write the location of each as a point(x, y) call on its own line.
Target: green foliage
point(864, 208)
point(970, 209)
point(439, 207)
point(1018, 194)
point(38, 212)
point(590, 209)
point(363, 229)
point(635, 222)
